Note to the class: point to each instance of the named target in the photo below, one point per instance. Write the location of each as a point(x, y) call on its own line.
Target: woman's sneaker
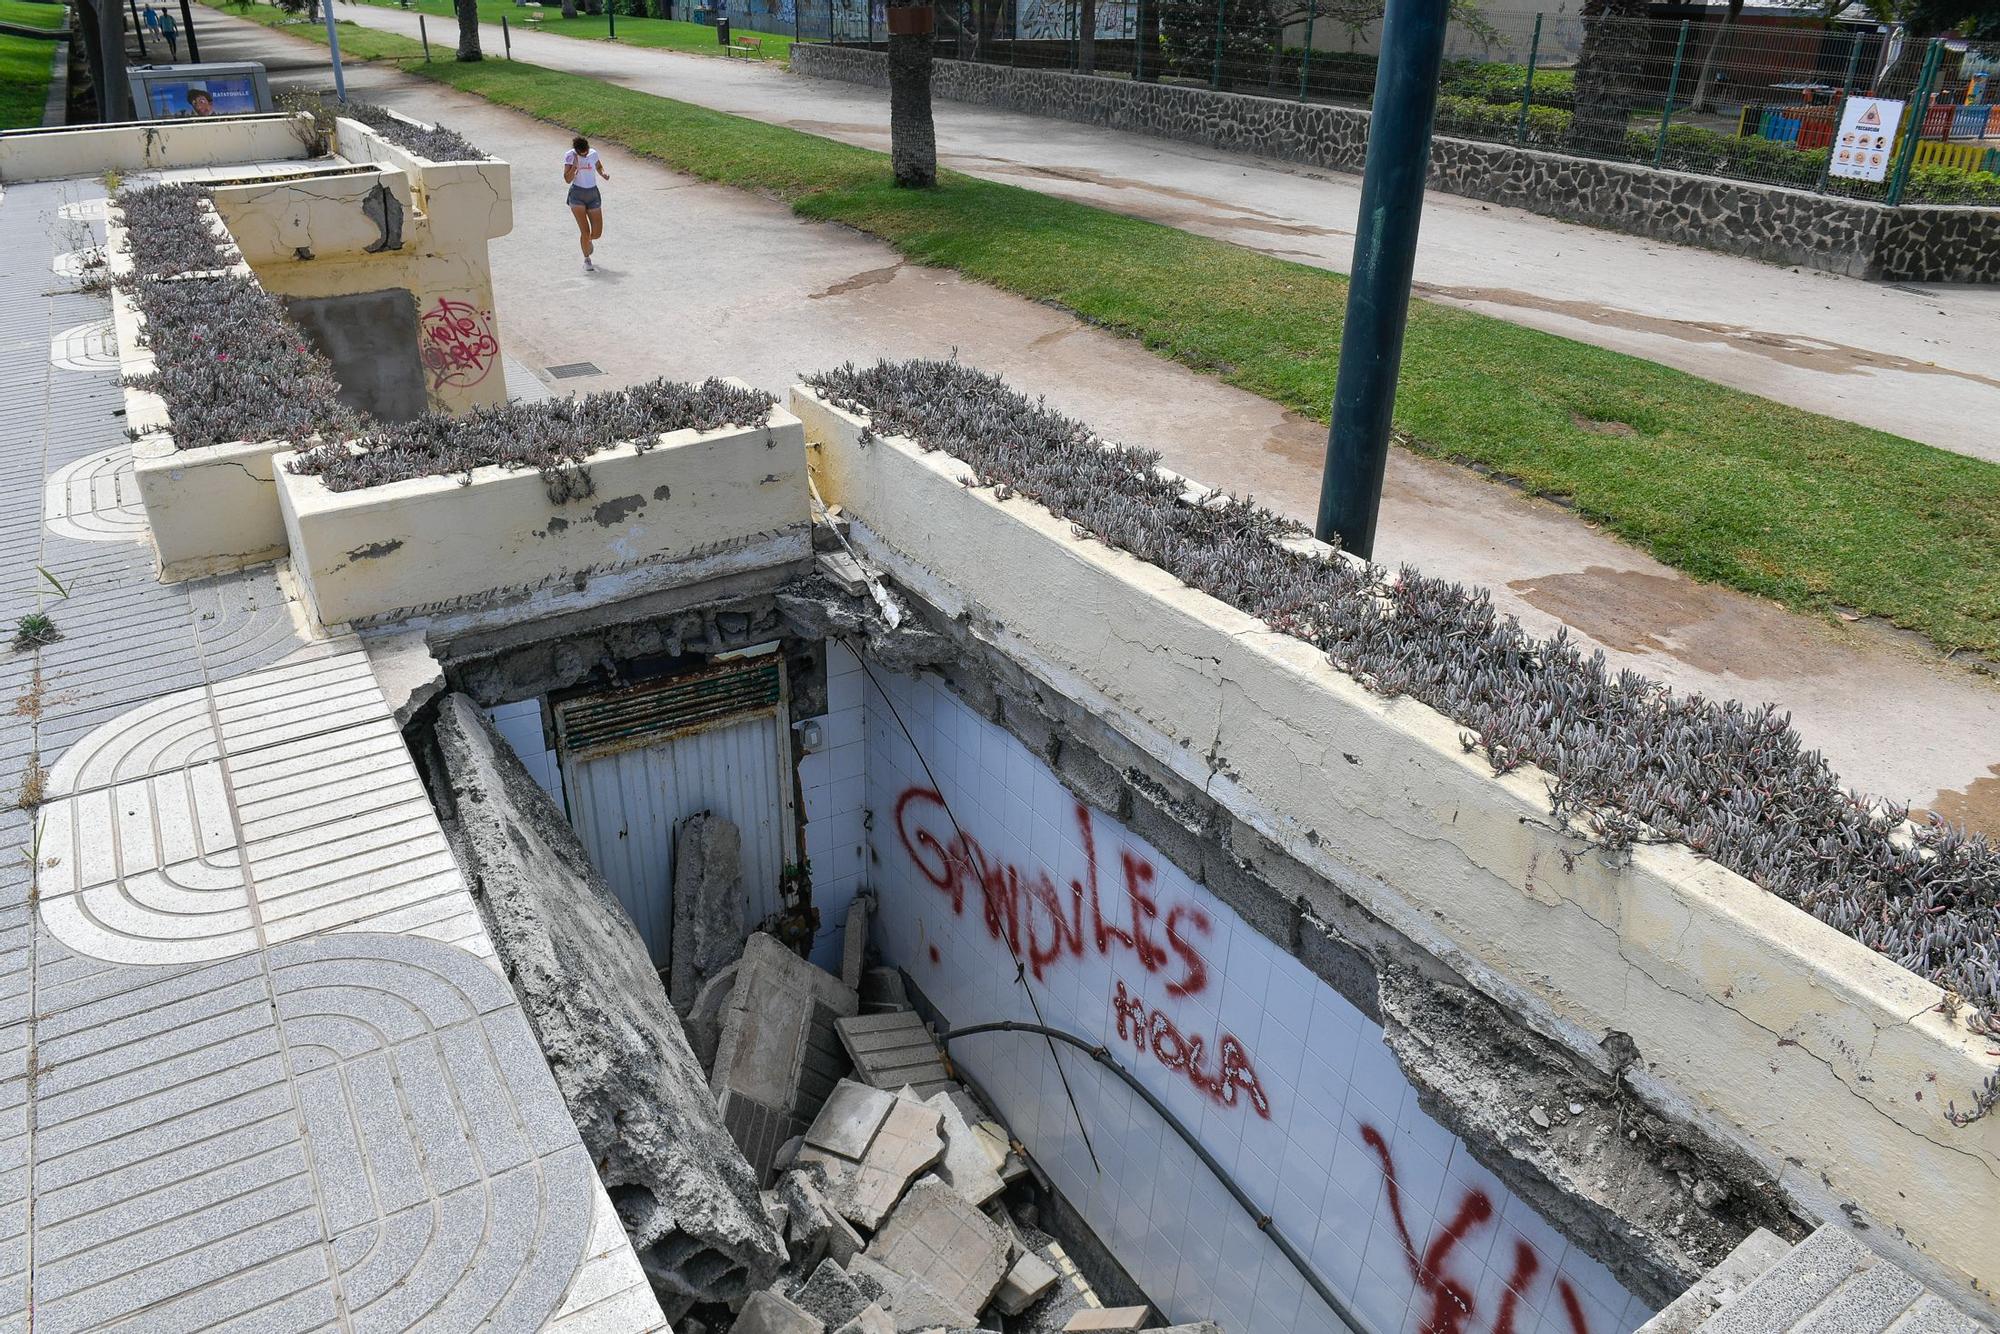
point(588, 267)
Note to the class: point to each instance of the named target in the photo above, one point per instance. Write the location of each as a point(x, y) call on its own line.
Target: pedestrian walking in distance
point(583, 169)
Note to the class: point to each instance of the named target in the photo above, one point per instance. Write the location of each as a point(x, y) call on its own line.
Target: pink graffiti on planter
point(458, 346)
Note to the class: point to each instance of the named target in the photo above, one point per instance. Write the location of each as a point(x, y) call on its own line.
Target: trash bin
point(722, 30)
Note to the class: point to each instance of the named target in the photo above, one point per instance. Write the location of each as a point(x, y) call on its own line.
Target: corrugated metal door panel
point(623, 809)
point(735, 772)
point(628, 805)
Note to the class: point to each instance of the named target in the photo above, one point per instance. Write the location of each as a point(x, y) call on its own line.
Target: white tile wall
point(521, 724)
point(832, 779)
point(1337, 1110)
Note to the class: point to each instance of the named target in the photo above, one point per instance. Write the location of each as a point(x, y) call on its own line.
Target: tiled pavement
point(258, 1069)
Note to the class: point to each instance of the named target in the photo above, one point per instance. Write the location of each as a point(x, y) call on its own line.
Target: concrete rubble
point(681, 1188)
point(893, 1050)
point(895, 1203)
point(776, 1058)
point(708, 905)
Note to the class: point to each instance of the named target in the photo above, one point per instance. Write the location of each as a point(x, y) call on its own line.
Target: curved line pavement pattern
point(258, 1066)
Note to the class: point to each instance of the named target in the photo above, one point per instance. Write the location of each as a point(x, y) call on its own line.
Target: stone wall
point(1780, 226)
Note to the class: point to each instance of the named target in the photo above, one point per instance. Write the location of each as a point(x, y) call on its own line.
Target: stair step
point(1743, 1266)
point(1868, 1303)
point(1794, 1286)
point(1932, 1314)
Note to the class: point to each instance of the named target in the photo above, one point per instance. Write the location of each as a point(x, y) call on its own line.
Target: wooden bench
point(745, 46)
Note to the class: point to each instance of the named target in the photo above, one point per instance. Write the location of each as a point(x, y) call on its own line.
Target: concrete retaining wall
point(1827, 1061)
point(692, 505)
point(1782, 226)
point(62, 153)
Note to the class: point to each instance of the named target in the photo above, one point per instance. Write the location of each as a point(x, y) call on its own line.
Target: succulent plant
point(553, 436)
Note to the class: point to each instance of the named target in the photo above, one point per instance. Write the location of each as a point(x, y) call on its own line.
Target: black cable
point(1020, 971)
point(1102, 1055)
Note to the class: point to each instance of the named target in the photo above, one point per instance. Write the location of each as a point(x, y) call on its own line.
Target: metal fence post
point(423, 31)
point(1215, 75)
point(1305, 65)
point(1673, 86)
point(1528, 84)
point(611, 17)
point(1919, 104)
point(1839, 110)
point(506, 37)
point(1139, 41)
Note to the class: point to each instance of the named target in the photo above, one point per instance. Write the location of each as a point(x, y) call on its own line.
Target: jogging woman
point(583, 169)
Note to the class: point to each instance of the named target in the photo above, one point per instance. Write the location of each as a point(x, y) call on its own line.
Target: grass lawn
point(669, 34)
point(356, 42)
point(31, 14)
point(1820, 515)
point(24, 76)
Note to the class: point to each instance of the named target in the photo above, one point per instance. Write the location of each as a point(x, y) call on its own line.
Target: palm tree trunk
point(912, 135)
point(1608, 70)
point(1086, 41)
point(468, 29)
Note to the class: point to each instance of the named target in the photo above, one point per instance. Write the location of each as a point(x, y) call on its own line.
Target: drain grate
point(573, 370)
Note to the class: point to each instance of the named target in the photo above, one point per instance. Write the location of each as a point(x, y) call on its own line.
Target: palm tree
point(912, 135)
point(1608, 72)
point(468, 29)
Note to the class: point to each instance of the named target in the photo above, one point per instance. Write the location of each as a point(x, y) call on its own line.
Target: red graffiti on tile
point(1151, 1030)
point(1453, 1306)
point(1023, 906)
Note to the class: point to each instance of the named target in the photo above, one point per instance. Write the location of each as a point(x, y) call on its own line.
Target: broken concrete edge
point(685, 1195)
point(1818, 1057)
point(407, 673)
point(694, 503)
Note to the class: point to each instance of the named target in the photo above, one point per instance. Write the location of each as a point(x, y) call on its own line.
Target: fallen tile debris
point(938, 1236)
point(891, 1050)
point(891, 1189)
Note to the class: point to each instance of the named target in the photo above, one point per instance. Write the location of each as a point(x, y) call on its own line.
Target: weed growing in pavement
point(35, 630)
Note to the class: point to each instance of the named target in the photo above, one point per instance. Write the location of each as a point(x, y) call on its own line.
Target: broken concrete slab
point(872, 1320)
point(770, 1313)
point(908, 1144)
point(940, 1238)
point(405, 670)
point(891, 1050)
point(813, 1227)
point(847, 1123)
point(1028, 1280)
point(683, 1191)
point(912, 1304)
point(1198, 1327)
point(777, 1058)
point(830, 1295)
point(703, 1022)
point(1108, 1319)
point(708, 905)
point(854, 940)
point(966, 1167)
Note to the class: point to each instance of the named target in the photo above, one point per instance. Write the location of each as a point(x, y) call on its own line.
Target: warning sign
point(1867, 138)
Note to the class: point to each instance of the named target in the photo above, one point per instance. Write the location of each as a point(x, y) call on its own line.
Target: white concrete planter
point(693, 506)
point(212, 509)
point(1824, 1059)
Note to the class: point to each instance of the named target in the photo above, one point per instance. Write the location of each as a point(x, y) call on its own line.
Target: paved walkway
point(258, 1066)
point(1922, 362)
point(701, 280)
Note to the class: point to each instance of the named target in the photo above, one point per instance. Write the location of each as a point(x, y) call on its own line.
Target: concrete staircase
point(1827, 1284)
